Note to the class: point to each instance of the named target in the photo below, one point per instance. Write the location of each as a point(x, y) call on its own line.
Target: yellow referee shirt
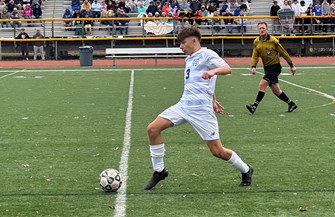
point(268, 50)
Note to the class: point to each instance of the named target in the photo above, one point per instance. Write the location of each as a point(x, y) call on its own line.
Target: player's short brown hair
point(192, 31)
point(265, 23)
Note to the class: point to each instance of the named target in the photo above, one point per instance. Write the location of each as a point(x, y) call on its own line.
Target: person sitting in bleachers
point(203, 13)
point(88, 25)
point(96, 9)
point(5, 15)
point(216, 22)
point(123, 24)
point(111, 24)
point(10, 6)
point(166, 8)
point(15, 15)
point(103, 9)
point(75, 4)
point(229, 22)
point(27, 12)
point(85, 7)
point(111, 6)
point(241, 22)
point(130, 6)
point(67, 23)
point(184, 8)
point(140, 8)
point(37, 11)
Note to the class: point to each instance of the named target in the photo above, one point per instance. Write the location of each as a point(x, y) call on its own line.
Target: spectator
point(286, 5)
point(38, 45)
point(184, 10)
point(212, 7)
point(85, 7)
point(77, 23)
point(223, 8)
point(23, 44)
point(203, 13)
point(296, 9)
point(96, 9)
point(37, 11)
point(5, 15)
point(174, 4)
point(325, 9)
point(303, 12)
point(332, 16)
point(216, 22)
point(103, 9)
point(195, 6)
point(15, 15)
point(130, 7)
point(111, 24)
point(152, 8)
point(274, 12)
point(75, 4)
point(244, 6)
point(111, 6)
point(166, 8)
point(88, 25)
point(123, 24)
point(228, 21)
point(67, 23)
point(2, 7)
point(27, 13)
point(233, 6)
point(10, 6)
point(242, 22)
point(317, 21)
point(140, 8)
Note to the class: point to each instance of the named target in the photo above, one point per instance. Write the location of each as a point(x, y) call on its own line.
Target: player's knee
point(152, 130)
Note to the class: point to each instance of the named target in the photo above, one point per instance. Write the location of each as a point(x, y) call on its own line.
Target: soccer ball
point(110, 180)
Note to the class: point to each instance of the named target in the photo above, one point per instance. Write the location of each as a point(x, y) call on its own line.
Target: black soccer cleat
point(246, 177)
point(251, 108)
point(292, 107)
point(156, 177)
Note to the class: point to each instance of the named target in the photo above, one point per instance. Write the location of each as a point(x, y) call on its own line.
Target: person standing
point(38, 45)
point(23, 44)
point(268, 48)
point(197, 107)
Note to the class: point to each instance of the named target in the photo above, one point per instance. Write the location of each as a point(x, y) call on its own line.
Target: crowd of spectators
point(180, 12)
point(19, 9)
point(324, 10)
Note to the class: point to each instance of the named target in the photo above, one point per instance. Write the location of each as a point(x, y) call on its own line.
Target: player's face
point(262, 29)
point(188, 45)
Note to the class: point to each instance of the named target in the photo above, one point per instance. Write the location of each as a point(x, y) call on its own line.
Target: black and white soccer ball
point(110, 180)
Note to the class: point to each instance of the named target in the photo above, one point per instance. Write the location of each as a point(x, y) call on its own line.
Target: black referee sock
point(284, 98)
point(259, 98)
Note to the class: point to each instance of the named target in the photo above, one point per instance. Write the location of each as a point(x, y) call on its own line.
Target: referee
point(268, 48)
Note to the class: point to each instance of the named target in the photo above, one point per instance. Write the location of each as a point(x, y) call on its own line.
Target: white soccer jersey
point(198, 91)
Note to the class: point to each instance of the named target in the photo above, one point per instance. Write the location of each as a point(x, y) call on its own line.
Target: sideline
point(120, 203)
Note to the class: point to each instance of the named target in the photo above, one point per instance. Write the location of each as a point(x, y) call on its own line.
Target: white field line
point(13, 73)
point(120, 203)
point(306, 88)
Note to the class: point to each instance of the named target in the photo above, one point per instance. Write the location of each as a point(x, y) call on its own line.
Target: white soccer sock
point(157, 154)
point(237, 163)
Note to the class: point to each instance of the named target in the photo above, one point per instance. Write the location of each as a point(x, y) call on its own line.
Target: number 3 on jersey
point(187, 74)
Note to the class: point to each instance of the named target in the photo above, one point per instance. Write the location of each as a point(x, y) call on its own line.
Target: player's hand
point(253, 70)
point(218, 108)
point(293, 70)
point(207, 75)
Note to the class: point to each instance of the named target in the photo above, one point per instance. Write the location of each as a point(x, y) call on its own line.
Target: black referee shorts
point(271, 73)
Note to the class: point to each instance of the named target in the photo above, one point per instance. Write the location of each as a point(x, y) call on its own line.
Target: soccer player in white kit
point(197, 106)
